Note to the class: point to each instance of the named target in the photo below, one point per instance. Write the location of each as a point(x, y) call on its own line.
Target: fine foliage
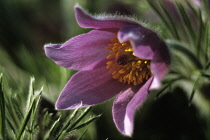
point(24, 118)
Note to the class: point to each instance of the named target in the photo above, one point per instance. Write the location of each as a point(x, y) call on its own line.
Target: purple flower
point(119, 57)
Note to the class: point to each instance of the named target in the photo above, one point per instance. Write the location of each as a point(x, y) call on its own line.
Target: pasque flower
point(119, 57)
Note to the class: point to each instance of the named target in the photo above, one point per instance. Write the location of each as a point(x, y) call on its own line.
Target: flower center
point(124, 65)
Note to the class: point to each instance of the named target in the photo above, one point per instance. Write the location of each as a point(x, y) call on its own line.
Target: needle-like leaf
point(186, 52)
point(186, 20)
point(2, 111)
point(171, 21)
point(193, 90)
point(165, 22)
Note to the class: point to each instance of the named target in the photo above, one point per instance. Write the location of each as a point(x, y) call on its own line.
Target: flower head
point(119, 57)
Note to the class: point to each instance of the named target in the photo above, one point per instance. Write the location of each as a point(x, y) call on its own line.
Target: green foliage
point(165, 22)
point(2, 112)
point(27, 120)
point(188, 38)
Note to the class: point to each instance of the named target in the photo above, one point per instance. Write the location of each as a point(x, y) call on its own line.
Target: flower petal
point(143, 40)
point(147, 45)
point(87, 21)
point(82, 52)
point(89, 88)
point(159, 66)
point(125, 106)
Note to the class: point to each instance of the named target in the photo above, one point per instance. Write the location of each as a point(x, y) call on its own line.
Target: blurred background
point(27, 25)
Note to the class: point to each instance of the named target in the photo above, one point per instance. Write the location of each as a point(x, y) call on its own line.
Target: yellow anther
point(113, 73)
point(125, 66)
point(129, 50)
point(110, 56)
point(125, 44)
point(121, 71)
point(110, 62)
point(108, 66)
point(139, 62)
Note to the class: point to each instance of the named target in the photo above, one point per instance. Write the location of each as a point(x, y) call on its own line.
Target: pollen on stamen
point(110, 62)
point(124, 65)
